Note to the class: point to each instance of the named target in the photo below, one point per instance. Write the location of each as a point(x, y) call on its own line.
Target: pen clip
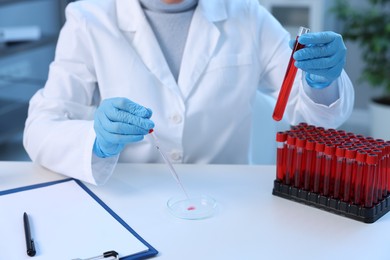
point(106, 255)
point(31, 250)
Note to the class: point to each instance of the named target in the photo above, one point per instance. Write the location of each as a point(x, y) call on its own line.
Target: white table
point(250, 223)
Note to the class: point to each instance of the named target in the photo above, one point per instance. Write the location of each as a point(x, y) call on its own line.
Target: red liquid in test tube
point(350, 155)
point(360, 172)
point(329, 152)
point(299, 162)
point(290, 165)
point(281, 138)
point(378, 180)
point(382, 170)
point(369, 180)
point(388, 166)
point(288, 80)
point(340, 167)
point(318, 166)
point(310, 157)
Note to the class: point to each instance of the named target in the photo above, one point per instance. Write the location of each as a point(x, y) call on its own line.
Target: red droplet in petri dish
point(191, 208)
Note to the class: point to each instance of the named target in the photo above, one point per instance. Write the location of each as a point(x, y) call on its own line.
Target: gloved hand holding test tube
point(288, 80)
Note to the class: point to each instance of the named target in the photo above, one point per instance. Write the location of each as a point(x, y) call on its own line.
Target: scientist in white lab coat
point(189, 69)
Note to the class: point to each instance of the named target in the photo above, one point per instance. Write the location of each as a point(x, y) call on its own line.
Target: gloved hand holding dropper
point(119, 121)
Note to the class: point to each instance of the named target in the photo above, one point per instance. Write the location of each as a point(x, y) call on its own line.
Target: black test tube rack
point(335, 171)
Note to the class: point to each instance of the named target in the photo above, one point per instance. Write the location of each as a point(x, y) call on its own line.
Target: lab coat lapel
point(132, 20)
point(201, 43)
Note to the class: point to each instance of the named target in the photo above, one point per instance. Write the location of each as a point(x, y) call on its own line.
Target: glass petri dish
point(196, 207)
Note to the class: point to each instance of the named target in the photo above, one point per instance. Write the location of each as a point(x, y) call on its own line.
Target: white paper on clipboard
point(66, 223)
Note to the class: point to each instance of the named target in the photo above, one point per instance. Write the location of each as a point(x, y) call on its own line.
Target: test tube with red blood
point(377, 195)
point(299, 162)
point(281, 138)
point(310, 157)
point(350, 155)
point(290, 158)
point(369, 179)
point(340, 167)
point(388, 167)
point(318, 166)
point(328, 159)
point(341, 133)
point(360, 172)
point(303, 125)
point(288, 80)
point(382, 170)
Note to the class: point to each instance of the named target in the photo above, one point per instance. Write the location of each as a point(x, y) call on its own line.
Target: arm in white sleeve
point(59, 132)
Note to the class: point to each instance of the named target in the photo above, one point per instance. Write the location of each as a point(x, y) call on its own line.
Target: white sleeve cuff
point(102, 168)
point(325, 96)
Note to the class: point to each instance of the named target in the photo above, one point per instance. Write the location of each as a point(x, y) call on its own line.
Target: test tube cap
point(300, 142)
point(340, 151)
point(378, 152)
point(303, 124)
point(310, 128)
point(329, 149)
point(350, 153)
point(341, 132)
point(281, 136)
point(379, 141)
point(372, 158)
point(387, 147)
point(320, 129)
point(320, 146)
point(361, 156)
point(291, 139)
point(310, 144)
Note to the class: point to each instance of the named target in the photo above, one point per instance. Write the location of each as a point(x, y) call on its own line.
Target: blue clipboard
point(150, 252)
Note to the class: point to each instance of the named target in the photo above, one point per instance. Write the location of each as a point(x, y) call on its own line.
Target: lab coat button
point(176, 119)
point(176, 156)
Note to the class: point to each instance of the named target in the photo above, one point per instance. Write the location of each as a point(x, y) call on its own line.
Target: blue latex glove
point(119, 121)
point(323, 57)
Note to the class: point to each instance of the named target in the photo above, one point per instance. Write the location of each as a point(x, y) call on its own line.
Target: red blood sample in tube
point(350, 155)
point(318, 166)
point(388, 167)
point(340, 167)
point(310, 157)
point(290, 158)
point(383, 171)
point(377, 195)
point(281, 138)
point(360, 172)
point(299, 163)
point(329, 152)
point(288, 80)
point(369, 181)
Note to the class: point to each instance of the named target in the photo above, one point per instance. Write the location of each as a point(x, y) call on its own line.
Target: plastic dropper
point(168, 162)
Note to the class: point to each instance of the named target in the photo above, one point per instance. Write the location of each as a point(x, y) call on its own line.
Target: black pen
point(29, 241)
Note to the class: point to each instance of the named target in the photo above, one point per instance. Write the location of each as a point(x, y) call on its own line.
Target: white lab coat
point(107, 49)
